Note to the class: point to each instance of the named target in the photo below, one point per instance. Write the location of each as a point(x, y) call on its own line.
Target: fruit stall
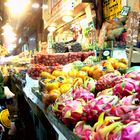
point(83, 99)
point(82, 86)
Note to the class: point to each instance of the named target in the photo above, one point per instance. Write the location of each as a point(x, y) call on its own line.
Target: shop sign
point(112, 8)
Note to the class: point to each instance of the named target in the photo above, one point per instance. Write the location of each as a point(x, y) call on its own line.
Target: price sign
point(133, 28)
point(112, 8)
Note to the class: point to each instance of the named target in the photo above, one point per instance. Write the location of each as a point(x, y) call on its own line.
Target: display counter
point(51, 127)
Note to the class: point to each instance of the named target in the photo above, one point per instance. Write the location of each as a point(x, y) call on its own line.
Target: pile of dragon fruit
point(112, 112)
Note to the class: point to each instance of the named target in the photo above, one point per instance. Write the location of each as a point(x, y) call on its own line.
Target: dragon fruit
point(108, 91)
point(83, 130)
point(108, 81)
point(81, 93)
point(126, 87)
point(95, 107)
point(107, 128)
point(127, 109)
point(131, 132)
point(72, 111)
point(134, 115)
point(89, 84)
point(133, 75)
point(60, 103)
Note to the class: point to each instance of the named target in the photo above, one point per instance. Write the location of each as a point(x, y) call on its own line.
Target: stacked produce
point(89, 65)
point(60, 58)
point(57, 80)
point(108, 108)
point(74, 57)
point(34, 70)
point(51, 62)
point(98, 101)
point(51, 59)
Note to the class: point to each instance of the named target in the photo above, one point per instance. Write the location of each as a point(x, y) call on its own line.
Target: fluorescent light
point(67, 18)
point(35, 5)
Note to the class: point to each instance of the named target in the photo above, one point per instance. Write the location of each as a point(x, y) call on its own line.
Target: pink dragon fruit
point(101, 104)
point(81, 93)
point(83, 130)
point(131, 132)
point(108, 91)
point(107, 128)
point(126, 88)
point(131, 116)
point(127, 109)
point(108, 81)
point(72, 111)
point(133, 75)
point(89, 84)
point(60, 103)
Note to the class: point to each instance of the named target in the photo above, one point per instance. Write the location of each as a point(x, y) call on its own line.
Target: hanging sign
point(111, 8)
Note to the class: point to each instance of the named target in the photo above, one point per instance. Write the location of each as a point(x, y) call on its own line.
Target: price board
point(112, 8)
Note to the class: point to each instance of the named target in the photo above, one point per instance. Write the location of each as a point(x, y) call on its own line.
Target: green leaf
point(122, 84)
point(100, 122)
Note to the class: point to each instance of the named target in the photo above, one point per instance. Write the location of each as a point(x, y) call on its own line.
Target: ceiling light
point(17, 7)
point(35, 5)
point(67, 18)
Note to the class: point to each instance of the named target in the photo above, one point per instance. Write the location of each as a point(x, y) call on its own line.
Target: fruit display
point(60, 58)
point(98, 101)
point(58, 80)
point(74, 56)
point(108, 108)
point(108, 81)
point(34, 70)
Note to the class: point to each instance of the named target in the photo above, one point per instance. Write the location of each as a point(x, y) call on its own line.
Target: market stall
point(81, 85)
